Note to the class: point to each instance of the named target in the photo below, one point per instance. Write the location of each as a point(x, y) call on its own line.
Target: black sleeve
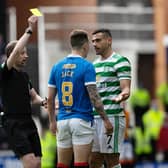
point(4, 71)
point(30, 85)
point(29, 81)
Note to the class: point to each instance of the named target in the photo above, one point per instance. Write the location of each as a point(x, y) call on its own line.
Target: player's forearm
point(124, 95)
point(51, 110)
point(125, 89)
point(51, 116)
point(96, 101)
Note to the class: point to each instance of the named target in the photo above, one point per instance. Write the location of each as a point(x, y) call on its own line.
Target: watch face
point(29, 31)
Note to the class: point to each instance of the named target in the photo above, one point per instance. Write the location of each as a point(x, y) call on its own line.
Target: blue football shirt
point(70, 77)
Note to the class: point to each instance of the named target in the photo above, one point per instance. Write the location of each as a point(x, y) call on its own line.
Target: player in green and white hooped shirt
point(113, 73)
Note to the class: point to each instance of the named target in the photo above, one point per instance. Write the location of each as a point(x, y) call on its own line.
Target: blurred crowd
point(146, 139)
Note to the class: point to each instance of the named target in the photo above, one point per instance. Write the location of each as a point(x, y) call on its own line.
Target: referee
point(17, 96)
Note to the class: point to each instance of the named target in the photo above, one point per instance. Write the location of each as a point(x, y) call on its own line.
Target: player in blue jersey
point(73, 79)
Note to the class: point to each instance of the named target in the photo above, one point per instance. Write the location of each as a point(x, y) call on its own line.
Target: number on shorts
point(67, 98)
point(109, 137)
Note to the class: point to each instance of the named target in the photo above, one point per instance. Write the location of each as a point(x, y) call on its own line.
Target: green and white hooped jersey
point(109, 72)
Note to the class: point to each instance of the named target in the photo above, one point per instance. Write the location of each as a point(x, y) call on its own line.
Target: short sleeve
point(123, 68)
point(52, 81)
point(90, 75)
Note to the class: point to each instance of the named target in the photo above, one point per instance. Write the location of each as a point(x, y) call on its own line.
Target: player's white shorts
point(74, 131)
point(109, 143)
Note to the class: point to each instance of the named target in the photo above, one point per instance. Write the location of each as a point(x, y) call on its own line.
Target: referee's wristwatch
point(29, 31)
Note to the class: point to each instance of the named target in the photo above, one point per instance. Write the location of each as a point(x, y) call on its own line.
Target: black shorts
point(23, 136)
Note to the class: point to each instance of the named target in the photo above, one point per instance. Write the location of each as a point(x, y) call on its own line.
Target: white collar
point(71, 55)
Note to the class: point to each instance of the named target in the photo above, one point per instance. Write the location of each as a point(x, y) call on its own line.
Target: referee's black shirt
point(15, 92)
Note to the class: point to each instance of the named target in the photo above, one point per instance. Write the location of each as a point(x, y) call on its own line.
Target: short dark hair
point(78, 38)
point(9, 48)
point(106, 32)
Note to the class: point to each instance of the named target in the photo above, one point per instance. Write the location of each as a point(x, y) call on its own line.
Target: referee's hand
point(44, 103)
point(32, 20)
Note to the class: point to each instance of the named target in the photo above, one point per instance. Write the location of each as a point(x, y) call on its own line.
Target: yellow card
point(36, 12)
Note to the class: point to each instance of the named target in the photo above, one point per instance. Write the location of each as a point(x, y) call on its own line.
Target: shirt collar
point(71, 55)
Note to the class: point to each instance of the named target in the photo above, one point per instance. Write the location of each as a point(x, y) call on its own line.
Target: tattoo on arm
point(96, 100)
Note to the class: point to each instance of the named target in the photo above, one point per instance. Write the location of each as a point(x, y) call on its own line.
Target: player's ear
point(86, 46)
point(109, 40)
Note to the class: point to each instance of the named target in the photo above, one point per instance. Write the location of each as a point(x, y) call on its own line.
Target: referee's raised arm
point(21, 43)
